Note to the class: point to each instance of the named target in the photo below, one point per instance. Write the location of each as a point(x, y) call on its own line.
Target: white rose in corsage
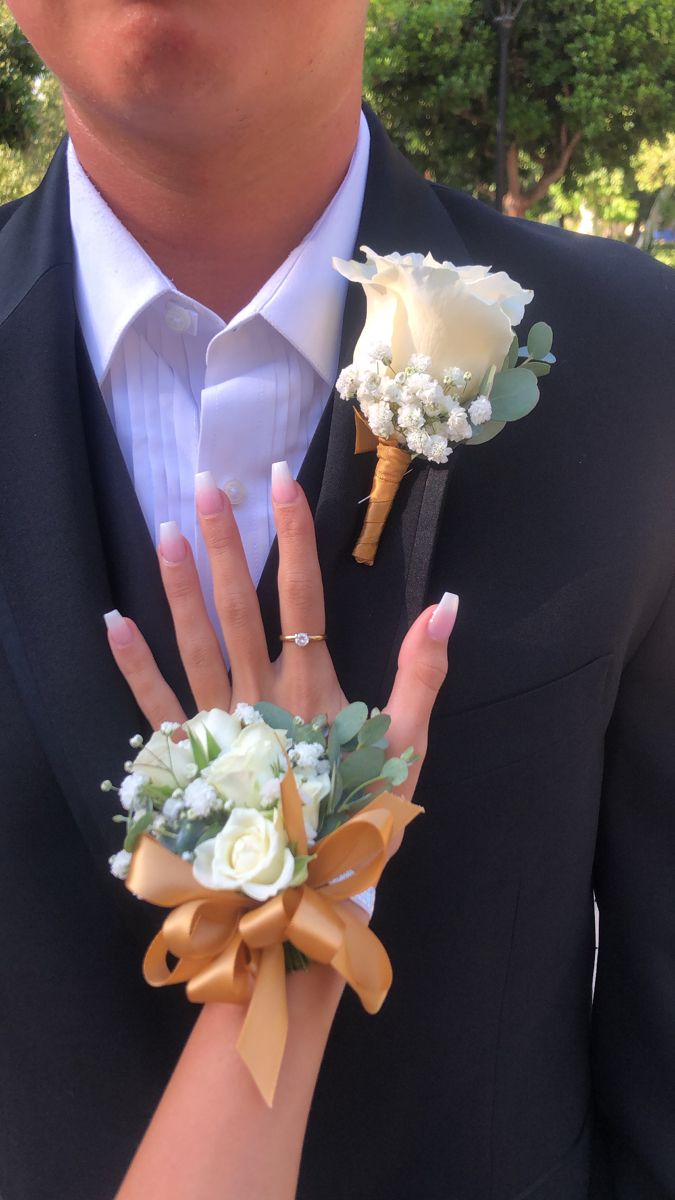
point(250, 853)
point(252, 830)
point(163, 762)
point(249, 773)
point(435, 366)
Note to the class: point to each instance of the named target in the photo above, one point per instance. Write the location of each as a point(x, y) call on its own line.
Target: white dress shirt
point(187, 392)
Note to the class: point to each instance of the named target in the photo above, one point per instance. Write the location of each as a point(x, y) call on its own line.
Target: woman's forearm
point(213, 1137)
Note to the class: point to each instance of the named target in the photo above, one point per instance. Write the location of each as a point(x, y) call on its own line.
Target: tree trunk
point(654, 218)
point(645, 201)
point(517, 201)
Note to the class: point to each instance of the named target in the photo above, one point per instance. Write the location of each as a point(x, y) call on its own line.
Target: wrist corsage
point(252, 829)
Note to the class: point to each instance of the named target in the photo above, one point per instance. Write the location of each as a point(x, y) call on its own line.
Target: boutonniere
point(437, 364)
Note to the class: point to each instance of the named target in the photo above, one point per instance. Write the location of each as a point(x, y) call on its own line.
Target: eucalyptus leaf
point(139, 827)
point(396, 771)
point(333, 745)
point(336, 788)
point(354, 806)
point(333, 821)
point(189, 834)
point(374, 730)
point(347, 723)
point(512, 356)
point(484, 433)
point(360, 767)
point(549, 358)
point(275, 717)
point(211, 831)
point(537, 368)
point(514, 395)
point(307, 733)
point(539, 340)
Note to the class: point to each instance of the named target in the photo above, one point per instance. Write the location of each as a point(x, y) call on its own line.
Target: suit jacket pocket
point(504, 732)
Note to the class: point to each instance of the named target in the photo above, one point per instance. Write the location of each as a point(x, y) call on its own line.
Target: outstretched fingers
point(307, 669)
point(133, 656)
point(422, 668)
point(234, 591)
point(196, 637)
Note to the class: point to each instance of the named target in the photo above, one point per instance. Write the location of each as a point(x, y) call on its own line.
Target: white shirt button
point(235, 491)
point(178, 319)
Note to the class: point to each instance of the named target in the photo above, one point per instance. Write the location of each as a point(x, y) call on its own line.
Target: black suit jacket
point(550, 768)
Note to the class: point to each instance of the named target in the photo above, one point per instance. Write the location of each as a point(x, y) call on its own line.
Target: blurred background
point(554, 110)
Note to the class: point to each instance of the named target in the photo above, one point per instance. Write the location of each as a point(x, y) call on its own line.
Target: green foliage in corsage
point(214, 796)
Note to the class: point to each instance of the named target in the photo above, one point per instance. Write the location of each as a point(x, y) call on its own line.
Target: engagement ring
point(302, 639)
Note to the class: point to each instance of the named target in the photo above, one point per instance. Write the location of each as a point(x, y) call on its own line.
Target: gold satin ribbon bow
point(230, 948)
point(392, 463)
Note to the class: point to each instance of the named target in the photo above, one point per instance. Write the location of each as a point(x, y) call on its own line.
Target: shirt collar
point(303, 300)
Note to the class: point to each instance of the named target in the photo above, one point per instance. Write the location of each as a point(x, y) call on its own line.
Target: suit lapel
point(64, 484)
point(73, 542)
point(368, 609)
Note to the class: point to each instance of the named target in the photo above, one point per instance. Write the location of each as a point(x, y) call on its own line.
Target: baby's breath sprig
point(423, 415)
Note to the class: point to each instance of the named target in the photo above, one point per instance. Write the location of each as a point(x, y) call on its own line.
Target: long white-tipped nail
point(207, 494)
point(120, 633)
point(284, 487)
point(443, 618)
point(171, 542)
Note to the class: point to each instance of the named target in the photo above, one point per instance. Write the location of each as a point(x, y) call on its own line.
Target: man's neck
point(219, 221)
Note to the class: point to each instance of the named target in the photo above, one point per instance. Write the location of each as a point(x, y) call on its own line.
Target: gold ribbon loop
point(358, 846)
point(316, 929)
point(266, 926)
point(364, 963)
point(200, 928)
point(230, 948)
point(226, 978)
point(156, 970)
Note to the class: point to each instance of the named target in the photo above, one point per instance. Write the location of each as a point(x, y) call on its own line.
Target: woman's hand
point(302, 679)
point(205, 1138)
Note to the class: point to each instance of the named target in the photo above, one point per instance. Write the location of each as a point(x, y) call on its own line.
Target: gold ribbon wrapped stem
point(392, 464)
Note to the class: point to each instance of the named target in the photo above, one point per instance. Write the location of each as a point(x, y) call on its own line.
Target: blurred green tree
point(590, 80)
point(19, 69)
point(31, 114)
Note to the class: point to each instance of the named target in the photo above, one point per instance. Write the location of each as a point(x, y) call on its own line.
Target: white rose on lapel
point(437, 364)
point(457, 317)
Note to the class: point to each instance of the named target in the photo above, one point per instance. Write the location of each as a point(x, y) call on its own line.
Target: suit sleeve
point(633, 1033)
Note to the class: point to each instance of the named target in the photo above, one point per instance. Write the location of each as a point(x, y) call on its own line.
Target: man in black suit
point(218, 134)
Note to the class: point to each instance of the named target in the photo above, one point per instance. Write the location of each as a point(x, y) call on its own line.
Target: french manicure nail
point(284, 487)
point(209, 499)
point(171, 542)
point(120, 633)
point(443, 618)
